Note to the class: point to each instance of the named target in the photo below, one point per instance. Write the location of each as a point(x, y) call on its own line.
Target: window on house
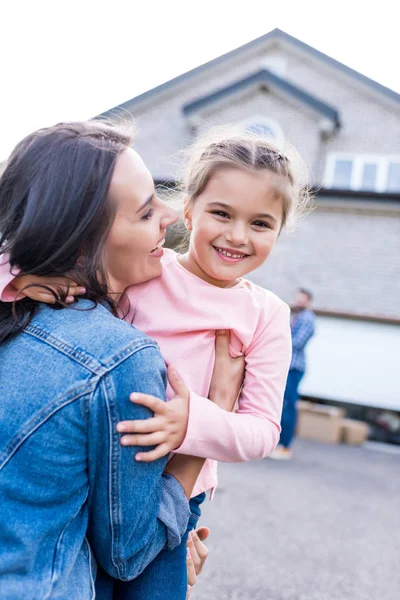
point(264, 126)
point(369, 176)
point(393, 179)
point(260, 129)
point(370, 173)
point(342, 174)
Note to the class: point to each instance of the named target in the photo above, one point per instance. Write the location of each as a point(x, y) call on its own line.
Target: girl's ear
point(187, 216)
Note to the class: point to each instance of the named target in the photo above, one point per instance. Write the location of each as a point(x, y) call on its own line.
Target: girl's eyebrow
point(220, 204)
point(259, 216)
point(149, 199)
point(266, 216)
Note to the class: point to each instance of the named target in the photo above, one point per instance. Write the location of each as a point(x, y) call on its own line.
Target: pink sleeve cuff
point(200, 415)
point(229, 437)
point(9, 294)
point(7, 291)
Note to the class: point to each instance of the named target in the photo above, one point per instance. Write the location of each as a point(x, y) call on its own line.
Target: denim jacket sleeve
point(134, 510)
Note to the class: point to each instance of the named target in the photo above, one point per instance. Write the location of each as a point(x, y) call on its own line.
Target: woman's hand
point(228, 374)
point(36, 291)
point(197, 554)
point(166, 429)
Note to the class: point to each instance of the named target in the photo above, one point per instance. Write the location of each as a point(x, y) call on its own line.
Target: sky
point(69, 60)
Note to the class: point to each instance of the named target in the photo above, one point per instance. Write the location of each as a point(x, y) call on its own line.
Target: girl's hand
point(166, 429)
point(228, 374)
point(59, 285)
point(197, 554)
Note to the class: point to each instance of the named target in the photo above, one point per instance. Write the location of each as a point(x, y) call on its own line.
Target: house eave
point(264, 77)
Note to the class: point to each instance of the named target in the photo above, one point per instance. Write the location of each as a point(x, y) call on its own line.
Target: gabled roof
point(264, 76)
point(275, 34)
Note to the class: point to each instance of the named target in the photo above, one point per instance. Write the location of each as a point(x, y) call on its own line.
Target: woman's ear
point(187, 216)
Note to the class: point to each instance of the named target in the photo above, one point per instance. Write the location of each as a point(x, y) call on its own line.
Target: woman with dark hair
point(75, 200)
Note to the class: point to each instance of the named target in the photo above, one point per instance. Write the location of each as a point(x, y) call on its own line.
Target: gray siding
point(349, 257)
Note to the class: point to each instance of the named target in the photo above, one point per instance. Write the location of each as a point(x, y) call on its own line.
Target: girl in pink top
point(239, 191)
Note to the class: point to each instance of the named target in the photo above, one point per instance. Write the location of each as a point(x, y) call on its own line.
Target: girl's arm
point(166, 430)
point(42, 289)
point(212, 431)
point(252, 431)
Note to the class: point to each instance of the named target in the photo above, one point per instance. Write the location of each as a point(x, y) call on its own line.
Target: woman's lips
point(158, 251)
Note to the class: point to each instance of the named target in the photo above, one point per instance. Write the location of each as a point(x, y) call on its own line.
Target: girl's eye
point(262, 224)
point(220, 213)
point(147, 216)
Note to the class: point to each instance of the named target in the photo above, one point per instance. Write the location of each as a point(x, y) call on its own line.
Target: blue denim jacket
point(70, 494)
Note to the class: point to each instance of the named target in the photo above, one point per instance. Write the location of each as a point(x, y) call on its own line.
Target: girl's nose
point(237, 234)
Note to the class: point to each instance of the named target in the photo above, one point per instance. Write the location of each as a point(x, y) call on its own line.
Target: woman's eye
point(148, 215)
point(220, 213)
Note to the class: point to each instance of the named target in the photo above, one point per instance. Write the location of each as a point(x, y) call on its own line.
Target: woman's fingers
point(56, 281)
point(202, 533)
point(201, 549)
point(40, 294)
point(222, 355)
point(228, 373)
point(48, 298)
point(154, 404)
point(159, 452)
point(191, 570)
point(222, 345)
point(59, 283)
point(35, 294)
point(194, 553)
point(75, 291)
point(149, 425)
point(144, 439)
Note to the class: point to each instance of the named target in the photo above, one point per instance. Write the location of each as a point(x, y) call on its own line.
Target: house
point(347, 128)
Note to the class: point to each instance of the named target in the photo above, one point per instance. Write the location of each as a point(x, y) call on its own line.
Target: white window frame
point(359, 160)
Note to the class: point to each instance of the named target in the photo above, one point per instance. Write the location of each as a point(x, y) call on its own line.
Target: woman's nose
point(169, 216)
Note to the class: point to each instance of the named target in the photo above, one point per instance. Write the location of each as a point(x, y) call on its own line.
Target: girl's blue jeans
point(163, 579)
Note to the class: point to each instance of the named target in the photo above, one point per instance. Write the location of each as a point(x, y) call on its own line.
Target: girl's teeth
point(229, 254)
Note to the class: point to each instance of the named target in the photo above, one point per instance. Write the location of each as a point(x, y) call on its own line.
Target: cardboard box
point(304, 405)
point(320, 423)
point(354, 433)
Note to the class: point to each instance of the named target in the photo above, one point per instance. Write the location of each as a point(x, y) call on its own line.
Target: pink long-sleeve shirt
point(182, 313)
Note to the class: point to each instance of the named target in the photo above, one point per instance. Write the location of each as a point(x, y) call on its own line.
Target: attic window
point(261, 129)
point(363, 172)
point(263, 126)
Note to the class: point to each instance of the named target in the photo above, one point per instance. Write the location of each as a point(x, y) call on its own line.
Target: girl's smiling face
point(234, 225)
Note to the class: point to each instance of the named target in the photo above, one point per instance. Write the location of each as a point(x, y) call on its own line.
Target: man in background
point(302, 325)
